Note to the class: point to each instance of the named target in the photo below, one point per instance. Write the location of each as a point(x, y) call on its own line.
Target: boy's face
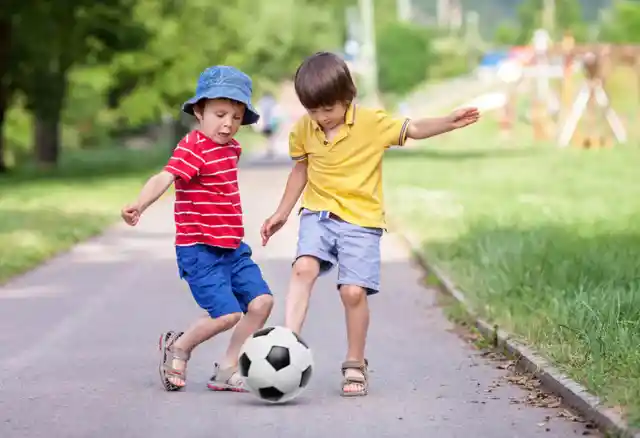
point(329, 117)
point(220, 119)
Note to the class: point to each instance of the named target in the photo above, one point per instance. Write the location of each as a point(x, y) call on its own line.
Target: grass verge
point(544, 242)
point(42, 214)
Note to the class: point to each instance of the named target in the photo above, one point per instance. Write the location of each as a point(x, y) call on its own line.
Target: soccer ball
point(276, 364)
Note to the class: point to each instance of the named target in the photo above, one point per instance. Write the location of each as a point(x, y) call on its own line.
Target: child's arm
point(154, 188)
point(429, 127)
point(185, 163)
point(150, 193)
point(295, 185)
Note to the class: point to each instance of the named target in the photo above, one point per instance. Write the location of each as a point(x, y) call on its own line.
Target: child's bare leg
point(358, 277)
point(356, 309)
point(257, 313)
point(202, 330)
point(305, 272)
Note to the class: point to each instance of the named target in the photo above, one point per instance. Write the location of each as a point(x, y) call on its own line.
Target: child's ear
point(197, 111)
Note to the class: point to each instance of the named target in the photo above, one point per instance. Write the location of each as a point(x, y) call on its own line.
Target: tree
point(5, 85)
point(59, 35)
point(404, 55)
point(624, 24)
point(506, 34)
point(266, 39)
point(9, 61)
point(129, 63)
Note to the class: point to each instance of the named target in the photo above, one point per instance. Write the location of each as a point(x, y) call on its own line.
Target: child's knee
point(352, 295)
point(229, 320)
point(306, 268)
point(261, 306)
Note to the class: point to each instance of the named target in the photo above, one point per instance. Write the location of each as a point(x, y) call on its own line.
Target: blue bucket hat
point(224, 82)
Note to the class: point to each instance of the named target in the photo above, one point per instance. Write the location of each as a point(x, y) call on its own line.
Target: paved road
point(79, 338)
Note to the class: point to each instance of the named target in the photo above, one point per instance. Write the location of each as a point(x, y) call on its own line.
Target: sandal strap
point(227, 374)
point(228, 377)
point(178, 353)
point(355, 365)
point(174, 372)
point(235, 380)
point(354, 379)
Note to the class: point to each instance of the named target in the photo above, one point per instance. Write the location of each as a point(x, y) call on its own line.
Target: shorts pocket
point(187, 258)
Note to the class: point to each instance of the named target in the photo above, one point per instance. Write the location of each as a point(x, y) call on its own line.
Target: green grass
point(545, 242)
point(42, 214)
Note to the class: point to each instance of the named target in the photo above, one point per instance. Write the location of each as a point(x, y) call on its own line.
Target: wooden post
point(566, 92)
point(592, 104)
point(636, 65)
point(508, 113)
point(592, 67)
point(539, 111)
point(606, 138)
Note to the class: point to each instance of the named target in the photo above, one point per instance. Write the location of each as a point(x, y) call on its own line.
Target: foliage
point(506, 34)
point(519, 31)
point(452, 56)
point(155, 82)
point(84, 70)
point(623, 25)
point(494, 12)
point(404, 57)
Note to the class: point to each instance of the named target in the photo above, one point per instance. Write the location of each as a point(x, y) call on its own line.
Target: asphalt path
point(79, 349)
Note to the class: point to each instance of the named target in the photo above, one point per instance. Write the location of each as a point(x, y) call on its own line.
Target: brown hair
point(323, 79)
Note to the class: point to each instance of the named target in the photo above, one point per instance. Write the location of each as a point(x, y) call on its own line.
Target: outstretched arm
point(431, 126)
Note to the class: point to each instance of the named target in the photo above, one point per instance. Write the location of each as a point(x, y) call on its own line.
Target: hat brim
point(251, 116)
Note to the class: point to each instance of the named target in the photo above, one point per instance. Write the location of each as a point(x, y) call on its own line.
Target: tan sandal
point(168, 353)
point(363, 369)
point(227, 379)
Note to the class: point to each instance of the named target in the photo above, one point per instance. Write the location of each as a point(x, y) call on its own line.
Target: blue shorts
point(355, 249)
point(223, 281)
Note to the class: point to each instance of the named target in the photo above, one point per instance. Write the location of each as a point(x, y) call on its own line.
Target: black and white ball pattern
point(276, 364)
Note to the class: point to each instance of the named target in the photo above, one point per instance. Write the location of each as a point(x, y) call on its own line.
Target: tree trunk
point(47, 136)
point(47, 113)
point(5, 86)
point(3, 111)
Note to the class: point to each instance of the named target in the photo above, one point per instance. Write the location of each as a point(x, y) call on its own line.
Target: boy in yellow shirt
point(338, 148)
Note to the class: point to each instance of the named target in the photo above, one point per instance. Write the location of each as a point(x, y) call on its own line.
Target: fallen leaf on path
point(569, 416)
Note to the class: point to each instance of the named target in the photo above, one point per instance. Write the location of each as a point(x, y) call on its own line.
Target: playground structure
point(555, 115)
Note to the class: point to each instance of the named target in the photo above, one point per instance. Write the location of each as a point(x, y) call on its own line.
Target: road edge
point(572, 393)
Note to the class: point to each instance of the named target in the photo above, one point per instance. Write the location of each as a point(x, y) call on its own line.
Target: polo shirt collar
point(350, 116)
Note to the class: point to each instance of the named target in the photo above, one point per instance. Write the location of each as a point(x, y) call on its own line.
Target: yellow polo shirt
point(345, 175)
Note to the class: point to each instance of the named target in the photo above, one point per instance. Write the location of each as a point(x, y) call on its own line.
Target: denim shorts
point(222, 281)
point(354, 249)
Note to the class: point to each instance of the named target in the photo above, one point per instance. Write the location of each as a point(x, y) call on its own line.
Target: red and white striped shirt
point(207, 206)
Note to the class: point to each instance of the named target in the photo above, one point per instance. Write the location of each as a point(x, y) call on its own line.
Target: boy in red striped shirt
point(211, 254)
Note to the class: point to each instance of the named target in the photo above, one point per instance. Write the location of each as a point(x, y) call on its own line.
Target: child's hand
point(271, 226)
point(131, 214)
point(463, 117)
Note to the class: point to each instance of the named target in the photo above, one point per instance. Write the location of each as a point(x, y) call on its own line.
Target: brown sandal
point(363, 381)
point(168, 354)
